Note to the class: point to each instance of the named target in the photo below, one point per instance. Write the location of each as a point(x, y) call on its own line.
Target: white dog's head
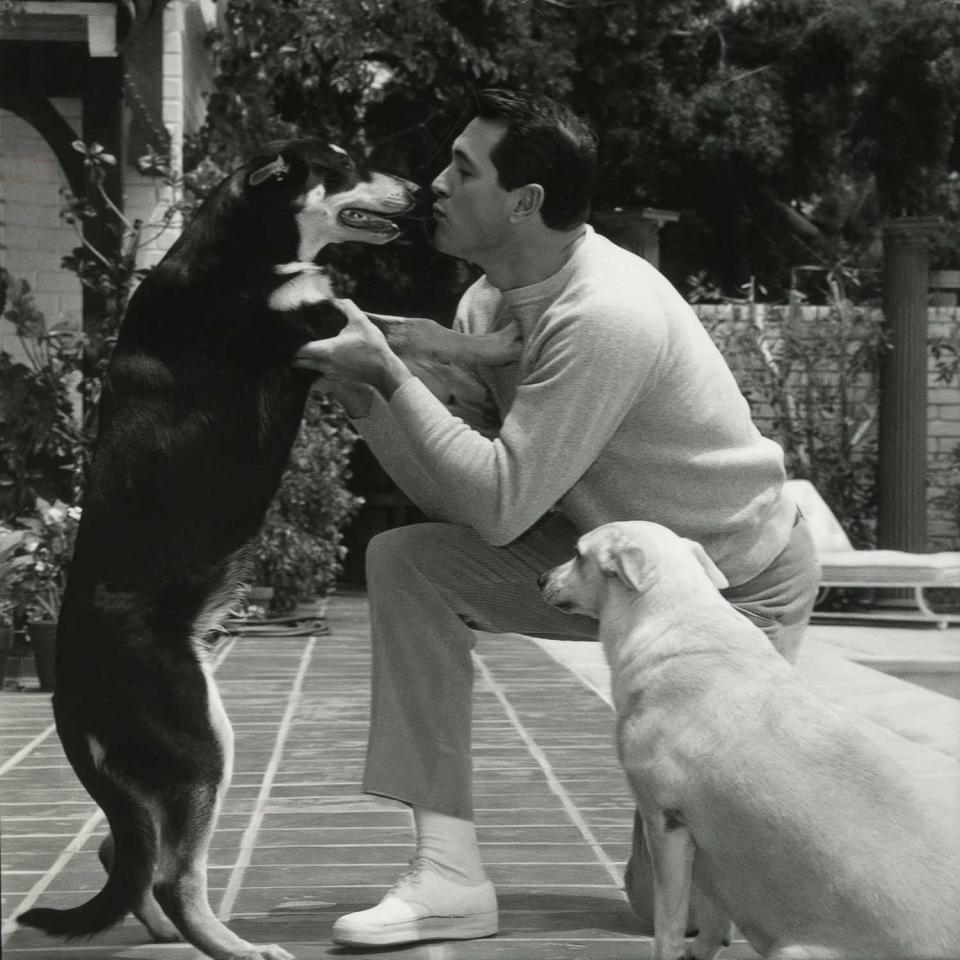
point(633, 554)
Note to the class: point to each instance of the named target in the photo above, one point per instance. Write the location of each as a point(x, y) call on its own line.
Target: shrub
point(40, 433)
point(299, 551)
point(812, 384)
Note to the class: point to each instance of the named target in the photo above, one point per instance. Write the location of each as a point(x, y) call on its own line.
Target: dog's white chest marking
point(302, 290)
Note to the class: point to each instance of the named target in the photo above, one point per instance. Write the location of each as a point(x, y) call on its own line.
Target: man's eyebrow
point(460, 154)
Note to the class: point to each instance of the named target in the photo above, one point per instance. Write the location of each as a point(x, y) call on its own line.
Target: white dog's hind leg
point(671, 854)
point(638, 883)
point(799, 952)
point(715, 929)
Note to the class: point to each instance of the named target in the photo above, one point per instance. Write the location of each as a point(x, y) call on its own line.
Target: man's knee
point(403, 547)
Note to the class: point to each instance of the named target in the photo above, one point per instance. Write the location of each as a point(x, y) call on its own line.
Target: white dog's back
point(803, 825)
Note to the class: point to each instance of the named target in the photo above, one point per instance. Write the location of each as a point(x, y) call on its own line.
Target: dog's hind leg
point(715, 928)
point(672, 853)
point(799, 952)
point(187, 825)
point(638, 883)
point(158, 924)
point(181, 886)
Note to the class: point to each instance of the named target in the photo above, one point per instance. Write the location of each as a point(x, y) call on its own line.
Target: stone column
point(902, 466)
point(636, 229)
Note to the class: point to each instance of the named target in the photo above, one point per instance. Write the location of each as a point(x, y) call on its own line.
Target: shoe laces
point(411, 875)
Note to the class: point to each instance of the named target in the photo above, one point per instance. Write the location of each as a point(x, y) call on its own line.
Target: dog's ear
point(276, 170)
point(625, 561)
point(713, 571)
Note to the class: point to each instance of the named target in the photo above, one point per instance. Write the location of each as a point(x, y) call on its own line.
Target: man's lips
point(438, 214)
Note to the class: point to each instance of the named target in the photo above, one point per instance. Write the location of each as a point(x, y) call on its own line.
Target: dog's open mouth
point(358, 219)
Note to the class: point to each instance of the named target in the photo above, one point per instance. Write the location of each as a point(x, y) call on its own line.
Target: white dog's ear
point(713, 571)
point(625, 562)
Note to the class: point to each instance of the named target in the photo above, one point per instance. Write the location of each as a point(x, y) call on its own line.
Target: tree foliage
point(782, 130)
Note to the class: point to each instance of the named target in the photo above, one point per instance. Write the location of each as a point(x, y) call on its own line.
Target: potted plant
point(299, 551)
point(40, 577)
point(10, 542)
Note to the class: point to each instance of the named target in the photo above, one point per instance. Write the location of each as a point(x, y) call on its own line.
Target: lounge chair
point(843, 566)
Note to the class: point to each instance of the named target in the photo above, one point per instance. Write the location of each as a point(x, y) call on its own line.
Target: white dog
point(789, 819)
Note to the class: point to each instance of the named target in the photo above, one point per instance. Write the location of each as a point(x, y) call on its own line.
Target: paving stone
point(401, 833)
point(322, 847)
point(552, 873)
point(327, 854)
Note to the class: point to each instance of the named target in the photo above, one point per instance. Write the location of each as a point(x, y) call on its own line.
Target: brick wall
point(943, 428)
point(943, 411)
point(32, 236)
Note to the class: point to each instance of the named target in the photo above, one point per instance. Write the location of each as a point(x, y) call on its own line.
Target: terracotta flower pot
point(43, 637)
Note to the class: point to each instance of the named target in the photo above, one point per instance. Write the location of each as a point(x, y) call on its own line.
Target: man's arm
point(371, 417)
point(588, 373)
point(387, 442)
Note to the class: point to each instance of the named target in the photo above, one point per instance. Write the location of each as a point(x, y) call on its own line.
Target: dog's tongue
point(361, 218)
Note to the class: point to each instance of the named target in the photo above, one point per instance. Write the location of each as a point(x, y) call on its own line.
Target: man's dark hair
point(545, 143)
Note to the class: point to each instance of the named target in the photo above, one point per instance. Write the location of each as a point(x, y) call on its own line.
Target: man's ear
point(528, 200)
point(713, 571)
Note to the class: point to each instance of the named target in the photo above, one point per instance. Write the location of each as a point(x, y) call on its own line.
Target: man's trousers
point(431, 585)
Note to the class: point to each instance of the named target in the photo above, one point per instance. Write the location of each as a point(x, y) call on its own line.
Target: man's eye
point(463, 172)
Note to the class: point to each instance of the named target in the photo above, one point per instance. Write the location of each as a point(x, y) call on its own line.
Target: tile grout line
point(75, 845)
point(555, 785)
point(588, 682)
point(66, 855)
point(253, 827)
point(25, 751)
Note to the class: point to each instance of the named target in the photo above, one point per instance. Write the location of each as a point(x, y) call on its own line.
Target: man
point(620, 408)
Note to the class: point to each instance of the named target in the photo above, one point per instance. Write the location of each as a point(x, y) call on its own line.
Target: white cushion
point(895, 567)
point(824, 526)
point(844, 566)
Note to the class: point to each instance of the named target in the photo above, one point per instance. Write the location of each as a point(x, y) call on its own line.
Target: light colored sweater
point(621, 407)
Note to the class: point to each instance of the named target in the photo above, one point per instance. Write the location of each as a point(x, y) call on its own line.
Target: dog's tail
point(131, 873)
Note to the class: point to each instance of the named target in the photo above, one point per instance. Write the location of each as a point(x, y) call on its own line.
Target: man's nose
point(439, 185)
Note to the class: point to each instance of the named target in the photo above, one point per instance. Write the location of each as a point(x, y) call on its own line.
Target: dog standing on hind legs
point(199, 412)
point(790, 820)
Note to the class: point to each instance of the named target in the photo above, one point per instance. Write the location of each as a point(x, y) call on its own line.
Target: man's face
point(472, 210)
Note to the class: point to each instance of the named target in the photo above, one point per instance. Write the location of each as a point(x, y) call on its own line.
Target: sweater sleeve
point(587, 371)
point(387, 442)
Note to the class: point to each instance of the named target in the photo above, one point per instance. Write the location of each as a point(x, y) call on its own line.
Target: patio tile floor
point(297, 843)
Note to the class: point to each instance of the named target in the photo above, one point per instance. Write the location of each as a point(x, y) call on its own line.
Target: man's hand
point(356, 398)
point(358, 354)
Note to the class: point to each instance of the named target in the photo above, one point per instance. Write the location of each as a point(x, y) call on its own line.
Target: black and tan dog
point(200, 409)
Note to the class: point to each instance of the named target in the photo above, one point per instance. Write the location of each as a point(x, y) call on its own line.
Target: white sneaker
point(422, 905)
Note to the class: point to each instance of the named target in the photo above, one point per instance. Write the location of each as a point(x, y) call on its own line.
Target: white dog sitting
point(788, 818)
